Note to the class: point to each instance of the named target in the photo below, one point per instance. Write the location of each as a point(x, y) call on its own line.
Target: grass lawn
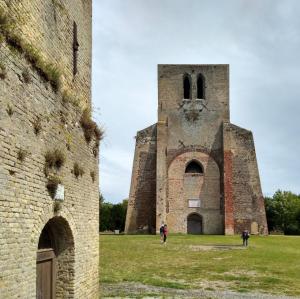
point(269, 265)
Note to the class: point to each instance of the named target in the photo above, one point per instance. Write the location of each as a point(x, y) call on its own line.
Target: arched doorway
point(194, 224)
point(55, 261)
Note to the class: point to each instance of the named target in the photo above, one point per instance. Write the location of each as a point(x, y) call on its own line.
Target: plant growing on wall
point(93, 176)
point(37, 125)
point(57, 206)
point(3, 72)
point(54, 159)
point(9, 110)
point(90, 127)
point(48, 71)
point(21, 155)
point(78, 170)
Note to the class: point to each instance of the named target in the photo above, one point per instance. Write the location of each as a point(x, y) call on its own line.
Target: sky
point(260, 39)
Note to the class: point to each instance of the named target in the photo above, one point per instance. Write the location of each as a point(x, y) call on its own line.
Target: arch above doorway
point(194, 224)
point(55, 260)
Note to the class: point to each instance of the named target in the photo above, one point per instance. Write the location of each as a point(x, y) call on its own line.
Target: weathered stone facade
point(37, 118)
point(194, 170)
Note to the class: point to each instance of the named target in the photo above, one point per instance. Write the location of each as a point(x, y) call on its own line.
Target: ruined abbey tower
point(193, 169)
point(49, 197)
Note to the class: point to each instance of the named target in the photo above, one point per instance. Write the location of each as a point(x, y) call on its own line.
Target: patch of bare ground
point(215, 247)
point(138, 290)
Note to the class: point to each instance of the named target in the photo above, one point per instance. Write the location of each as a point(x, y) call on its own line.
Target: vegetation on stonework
point(269, 265)
point(283, 212)
point(9, 110)
point(57, 205)
point(26, 75)
point(93, 175)
point(78, 170)
point(68, 97)
point(54, 158)
point(112, 216)
point(22, 154)
point(90, 128)
point(37, 125)
point(3, 72)
point(47, 71)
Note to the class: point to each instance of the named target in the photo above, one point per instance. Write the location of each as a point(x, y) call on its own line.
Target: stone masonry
point(35, 119)
point(193, 169)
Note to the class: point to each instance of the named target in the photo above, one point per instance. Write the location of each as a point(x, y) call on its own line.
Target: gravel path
point(137, 290)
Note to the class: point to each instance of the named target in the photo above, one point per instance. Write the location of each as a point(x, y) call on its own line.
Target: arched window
point(194, 167)
point(200, 87)
point(186, 87)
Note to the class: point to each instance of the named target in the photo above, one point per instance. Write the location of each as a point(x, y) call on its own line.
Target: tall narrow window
point(200, 87)
point(75, 49)
point(186, 87)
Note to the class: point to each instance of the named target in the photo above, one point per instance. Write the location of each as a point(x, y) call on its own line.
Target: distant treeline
point(283, 213)
point(282, 209)
point(112, 216)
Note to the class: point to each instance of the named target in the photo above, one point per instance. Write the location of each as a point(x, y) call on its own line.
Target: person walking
point(165, 234)
point(161, 232)
point(245, 236)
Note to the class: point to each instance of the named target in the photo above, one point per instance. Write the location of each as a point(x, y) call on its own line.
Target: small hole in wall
point(12, 172)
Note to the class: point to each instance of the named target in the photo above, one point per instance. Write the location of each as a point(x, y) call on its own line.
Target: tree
point(283, 212)
point(112, 216)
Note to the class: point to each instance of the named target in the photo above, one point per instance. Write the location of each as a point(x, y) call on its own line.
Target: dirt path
point(136, 290)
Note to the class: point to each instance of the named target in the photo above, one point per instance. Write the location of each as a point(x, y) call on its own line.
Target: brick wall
point(242, 183)
point(141, 206)
point(25, 203)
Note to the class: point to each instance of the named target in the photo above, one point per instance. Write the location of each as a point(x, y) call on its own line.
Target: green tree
point(283, 212)
point(112, 216)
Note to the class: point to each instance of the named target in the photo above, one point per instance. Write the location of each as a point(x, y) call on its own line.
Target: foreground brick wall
point(25, 203)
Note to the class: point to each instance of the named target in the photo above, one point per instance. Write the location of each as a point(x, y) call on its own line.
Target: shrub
point(55, 159)
point(90, 127)
point(78, 170)
point(21, 155)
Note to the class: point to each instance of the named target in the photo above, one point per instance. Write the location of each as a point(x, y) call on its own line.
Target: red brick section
point(228, 194)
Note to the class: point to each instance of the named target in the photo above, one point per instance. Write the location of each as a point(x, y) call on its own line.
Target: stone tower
point(193, 169)
point(49, 195)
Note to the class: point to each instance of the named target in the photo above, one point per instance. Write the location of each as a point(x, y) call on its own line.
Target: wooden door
point(46, 274)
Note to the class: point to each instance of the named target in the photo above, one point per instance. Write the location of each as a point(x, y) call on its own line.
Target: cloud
point(260, 39)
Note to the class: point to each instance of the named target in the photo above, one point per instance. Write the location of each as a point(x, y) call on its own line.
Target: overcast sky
point(260, 39)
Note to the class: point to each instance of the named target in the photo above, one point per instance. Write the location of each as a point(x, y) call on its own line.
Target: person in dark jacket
point(161, 232)
point(165, 233)
point(245, 236)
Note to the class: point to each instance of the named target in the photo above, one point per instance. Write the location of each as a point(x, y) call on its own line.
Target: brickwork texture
point(36, 119)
